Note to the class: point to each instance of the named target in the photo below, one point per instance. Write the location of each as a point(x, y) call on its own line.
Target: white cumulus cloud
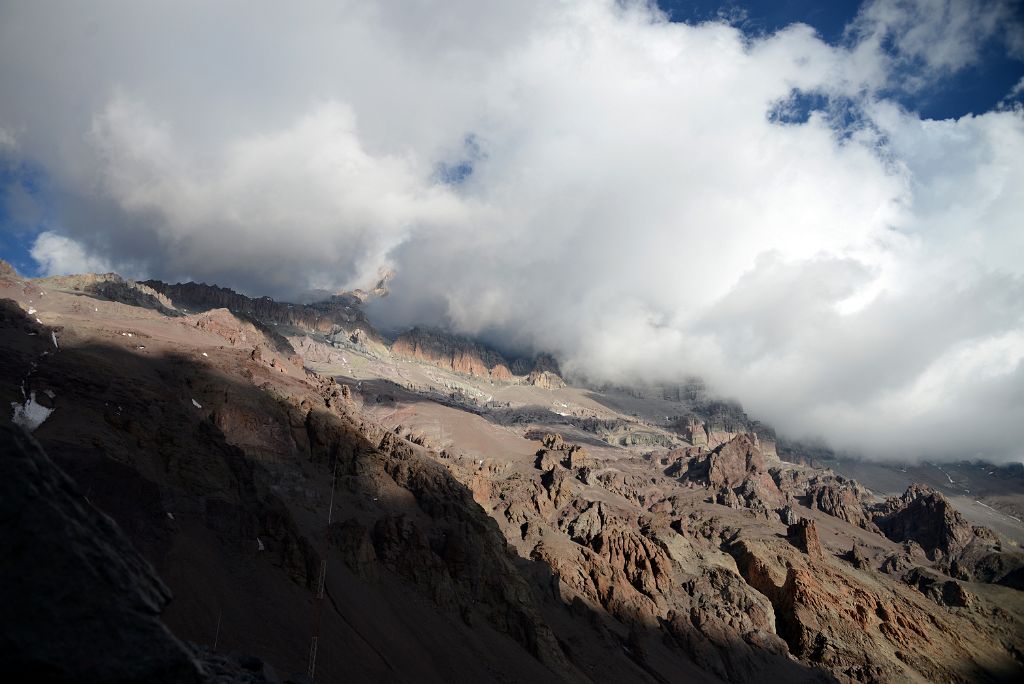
point(60, 255)
point(644, 198)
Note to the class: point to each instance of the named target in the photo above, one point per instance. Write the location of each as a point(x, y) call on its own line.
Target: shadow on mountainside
point(387, 392)
point(229, 502)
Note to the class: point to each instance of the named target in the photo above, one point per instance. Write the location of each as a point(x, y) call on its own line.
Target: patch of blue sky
point(25, 210)
point(759, 17)
point(458, 171)
point(978, 88)
point(843, 114)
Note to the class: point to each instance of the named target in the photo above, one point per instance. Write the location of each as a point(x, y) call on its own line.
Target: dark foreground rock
point(79, 603)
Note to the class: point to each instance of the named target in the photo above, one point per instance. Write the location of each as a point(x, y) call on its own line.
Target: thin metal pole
point(330, 508)
point(318, 599)
point(216, 638)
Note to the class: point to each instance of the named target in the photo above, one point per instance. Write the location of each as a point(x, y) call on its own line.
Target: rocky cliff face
point(462, 355)
point(925, 516)
point(452, 353)
point(340, 317)
point(115, 288)
point(737, 472)
point(841, 498)
point(339, 311)
point(715, 422)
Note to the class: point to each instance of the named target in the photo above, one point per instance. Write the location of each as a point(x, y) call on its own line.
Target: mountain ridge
point(546, 534)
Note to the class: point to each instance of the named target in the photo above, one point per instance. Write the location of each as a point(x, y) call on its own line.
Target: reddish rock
point(804, 535)
point(737, 466)
point(451, 352)
point(843, 499)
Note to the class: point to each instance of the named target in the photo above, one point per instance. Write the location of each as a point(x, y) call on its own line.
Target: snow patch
point(197, 404)
point(31, 414)
point(53, 336)
point(31, 311)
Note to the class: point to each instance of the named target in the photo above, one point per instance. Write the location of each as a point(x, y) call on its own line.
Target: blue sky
point(829, 18)
point(976, 89)
point(23, 213)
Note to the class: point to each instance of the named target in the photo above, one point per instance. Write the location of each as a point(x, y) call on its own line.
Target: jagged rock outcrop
point(115, 288)
point(897, 563)
point(858, 558)
point(804, 535)
point(573, 457)
point(719, 422)
point(861, 631)
point(925, 516)
point(945, 592)
point(339, 311)
point(545, 379)
point(841, 498)
point(985, 559)
point(736, 468)
point(788, 515)
point(541, 363)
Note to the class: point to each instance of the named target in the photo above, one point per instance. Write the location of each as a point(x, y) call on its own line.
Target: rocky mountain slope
point(80, 603)
point(420, 536)
point(339, 322)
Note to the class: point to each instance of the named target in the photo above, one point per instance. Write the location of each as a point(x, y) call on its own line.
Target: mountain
point(425, 518)
point(339, 321)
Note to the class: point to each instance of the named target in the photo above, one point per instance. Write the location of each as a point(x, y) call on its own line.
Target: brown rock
point(451, 352)
point(547, 460)
point(739, 466)
point(804, 535)
point(545, 379)
point(945, 592)
point(840, 498)
point(925, 516)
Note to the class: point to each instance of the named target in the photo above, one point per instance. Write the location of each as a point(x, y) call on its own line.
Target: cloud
point(59, 255)
point(925, 39)
point(8, 142)
point(245, 204)
point(582, 177)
